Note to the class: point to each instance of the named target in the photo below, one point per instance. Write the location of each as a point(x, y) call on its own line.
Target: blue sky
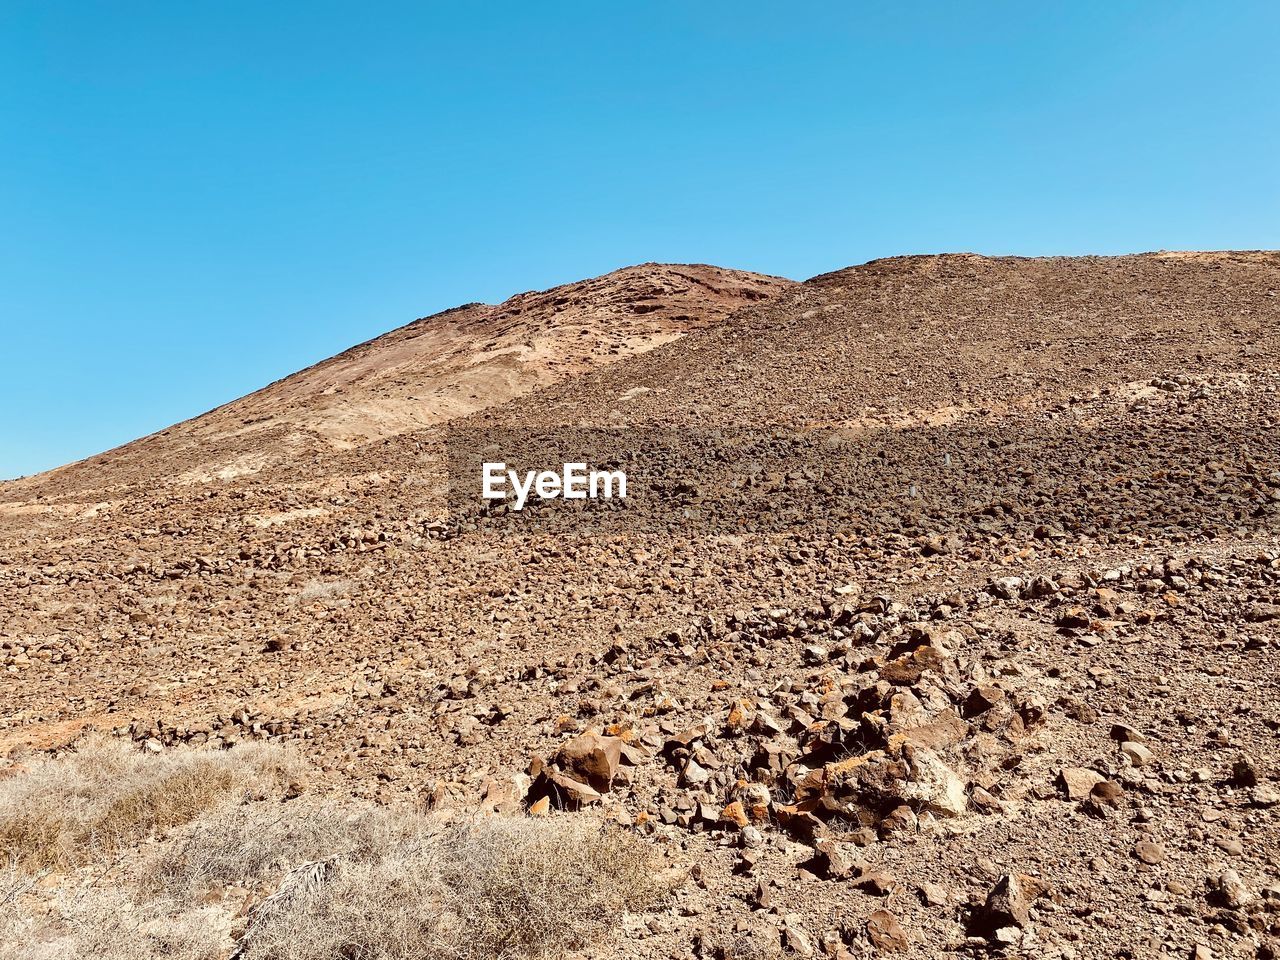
point(199, 198)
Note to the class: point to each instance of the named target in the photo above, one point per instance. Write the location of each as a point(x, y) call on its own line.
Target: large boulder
point(591, 758)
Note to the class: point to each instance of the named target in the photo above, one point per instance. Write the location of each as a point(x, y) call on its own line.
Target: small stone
point(694, 775)
point(879, 882)
point(1078, 710)
point(934, 894)
point(863, 837)
point(1106, 792)
point(592, 758)
point(832, 945)
point(988, 867)
point(833, 861)
point(984, 801)
point(1007, 936)
point(1078, 782)
point(565, 792)
point(734, 813)
point(1126, 734)
point(886, 933)
point(796, 939)
point(1008, 904)
point(1148, 851)
point(762, 896)
point(901, 819)
point(1139, 755)
point(934, 785)
point(1265, 795)
point(1262, 612)
point(1232, 890)
point(1231, 846)
point(981, 699)
point(1073, 618)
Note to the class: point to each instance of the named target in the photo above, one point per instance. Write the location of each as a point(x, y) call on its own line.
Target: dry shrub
point(335, 882)
point(107, 795)
point(483, 888)
point(107, 929)
point(105, 924)
point(249, 846)
point(528, 888)
point(394, 885)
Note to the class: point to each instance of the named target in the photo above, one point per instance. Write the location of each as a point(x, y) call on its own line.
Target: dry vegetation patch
point(479, 888)
point(107, 795)
point(302, 880)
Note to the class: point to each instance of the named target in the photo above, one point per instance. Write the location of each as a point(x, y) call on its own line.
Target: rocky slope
point(944, 618)
point(430, 371)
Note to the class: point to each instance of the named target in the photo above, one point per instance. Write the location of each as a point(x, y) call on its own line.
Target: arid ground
point(944, 618)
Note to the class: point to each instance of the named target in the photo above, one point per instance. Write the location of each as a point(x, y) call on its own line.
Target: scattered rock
point(1244, 772)
point(1148, 851)
point(797, 941)
point(1124, 733)
point(1078, 782)
point(693, 774)
point(1138, 754)
point(592, 758)
point(1232, 890)
point(935, 895)
point(886, 933)
point(1008, 904)
point(1265, 795)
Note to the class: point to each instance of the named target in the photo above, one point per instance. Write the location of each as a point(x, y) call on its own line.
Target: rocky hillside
point(945, 618)
point(431, 371)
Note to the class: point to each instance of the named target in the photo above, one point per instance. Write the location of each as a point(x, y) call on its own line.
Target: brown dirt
point(1005, 508)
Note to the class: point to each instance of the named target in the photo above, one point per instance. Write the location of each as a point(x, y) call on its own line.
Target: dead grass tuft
point(481, 888)
point(249, 846)
point(335, 882)
point(107, 795)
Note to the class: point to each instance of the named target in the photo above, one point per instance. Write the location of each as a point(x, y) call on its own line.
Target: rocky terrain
point(943, 618)
point(433, 370)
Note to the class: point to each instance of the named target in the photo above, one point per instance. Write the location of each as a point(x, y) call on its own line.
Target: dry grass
point(107, 795)
point(249, 846)
point(337, 882)
point(486, 888)
point(105, 924)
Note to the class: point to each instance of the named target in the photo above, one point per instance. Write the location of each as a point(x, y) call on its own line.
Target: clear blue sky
point(199, 198)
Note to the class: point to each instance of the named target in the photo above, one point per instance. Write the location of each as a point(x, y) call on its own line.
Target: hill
point(432, 370)
point(945, 617)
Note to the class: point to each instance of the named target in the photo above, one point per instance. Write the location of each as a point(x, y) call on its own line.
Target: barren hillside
point(945, 618)
point(430, 371)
